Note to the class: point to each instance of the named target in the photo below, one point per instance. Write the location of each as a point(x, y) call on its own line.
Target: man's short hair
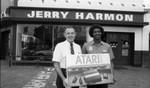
point(94, 27)
point(68, 26)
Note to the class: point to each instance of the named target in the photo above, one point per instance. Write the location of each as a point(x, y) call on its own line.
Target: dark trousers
point(98, 86)
point(59, 82)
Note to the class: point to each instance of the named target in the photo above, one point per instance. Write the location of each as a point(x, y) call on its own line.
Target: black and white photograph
point(74, 43)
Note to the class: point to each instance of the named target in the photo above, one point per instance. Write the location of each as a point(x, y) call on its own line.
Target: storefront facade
point(34, 31)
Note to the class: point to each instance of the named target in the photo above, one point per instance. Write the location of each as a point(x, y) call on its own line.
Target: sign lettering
point(80, 15)
point(47, 14)
point(88, 59)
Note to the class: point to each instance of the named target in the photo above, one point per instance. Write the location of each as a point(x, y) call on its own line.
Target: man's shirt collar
point(68, 42)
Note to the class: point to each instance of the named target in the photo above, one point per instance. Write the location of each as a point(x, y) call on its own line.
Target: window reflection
point(40, 40)
point(125, 40)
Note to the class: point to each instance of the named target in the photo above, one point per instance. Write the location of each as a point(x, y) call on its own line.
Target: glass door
point(123, 47)
point(113, 40)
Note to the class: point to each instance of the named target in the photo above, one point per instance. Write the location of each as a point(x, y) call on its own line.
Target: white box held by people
point(89, 69)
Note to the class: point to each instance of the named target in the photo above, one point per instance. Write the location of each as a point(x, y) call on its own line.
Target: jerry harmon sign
point(74, 15)
point(79, 15)
point(89, 69)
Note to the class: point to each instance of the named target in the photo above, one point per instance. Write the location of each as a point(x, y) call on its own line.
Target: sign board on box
point(89, 69)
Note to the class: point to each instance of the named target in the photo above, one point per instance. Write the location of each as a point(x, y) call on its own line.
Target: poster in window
point(125, 52)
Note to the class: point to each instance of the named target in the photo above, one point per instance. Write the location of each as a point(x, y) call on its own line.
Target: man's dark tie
point(71, 48)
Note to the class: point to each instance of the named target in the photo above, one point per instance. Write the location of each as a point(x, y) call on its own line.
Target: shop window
point(39, 40)
point(112, 40)
point(125, 41)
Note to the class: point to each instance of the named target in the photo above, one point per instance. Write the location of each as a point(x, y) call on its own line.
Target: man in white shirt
point(59, 56)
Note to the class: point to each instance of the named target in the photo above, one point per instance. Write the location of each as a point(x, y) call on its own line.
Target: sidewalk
point(44, 77)
point(131, 77)
point(26, 76)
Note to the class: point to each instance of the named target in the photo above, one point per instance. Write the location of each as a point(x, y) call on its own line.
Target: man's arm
point(84, 49)
point(59, 72)
point(112, 65)
point(57, 58)
point(112, 57)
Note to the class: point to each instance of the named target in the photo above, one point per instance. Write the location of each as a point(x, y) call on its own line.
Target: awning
point(75, 16)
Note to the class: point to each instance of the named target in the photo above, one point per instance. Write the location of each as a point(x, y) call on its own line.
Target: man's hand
point(65, 82)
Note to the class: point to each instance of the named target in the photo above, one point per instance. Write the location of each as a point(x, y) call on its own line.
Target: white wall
point(146, 31)
point(123, 5)
point(4, 5)
point(18, 42)
point(147, 3)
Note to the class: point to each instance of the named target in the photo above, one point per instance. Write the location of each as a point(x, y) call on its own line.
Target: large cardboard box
point(89, 69)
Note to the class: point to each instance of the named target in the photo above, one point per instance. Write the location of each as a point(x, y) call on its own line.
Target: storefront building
point(32, 28)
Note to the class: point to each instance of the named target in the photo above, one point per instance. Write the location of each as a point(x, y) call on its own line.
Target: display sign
point(109, 17)
point(74, 14)
point(89, 69)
